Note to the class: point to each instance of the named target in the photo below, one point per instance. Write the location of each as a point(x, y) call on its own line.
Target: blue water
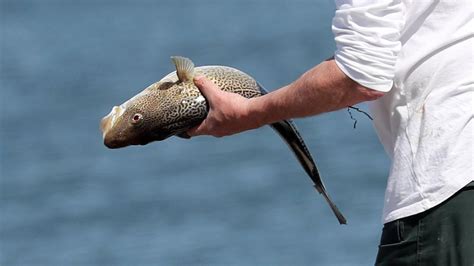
point(243, 200)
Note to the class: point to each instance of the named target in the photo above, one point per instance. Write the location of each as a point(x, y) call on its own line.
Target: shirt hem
point(426, 203)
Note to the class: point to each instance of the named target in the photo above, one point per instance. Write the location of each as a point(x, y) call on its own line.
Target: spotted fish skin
point(173, 105)
point(194, 107)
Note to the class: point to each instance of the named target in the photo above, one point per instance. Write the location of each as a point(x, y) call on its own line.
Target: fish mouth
point(107, 124)
point(116, 140)
point(111, 119)
point(113, 143)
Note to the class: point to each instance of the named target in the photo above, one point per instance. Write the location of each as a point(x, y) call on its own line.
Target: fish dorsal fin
point(184, 68)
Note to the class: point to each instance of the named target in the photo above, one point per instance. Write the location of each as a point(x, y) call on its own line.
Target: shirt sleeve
point(367, 35)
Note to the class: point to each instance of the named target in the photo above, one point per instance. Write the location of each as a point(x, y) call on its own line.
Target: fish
point(173, 105)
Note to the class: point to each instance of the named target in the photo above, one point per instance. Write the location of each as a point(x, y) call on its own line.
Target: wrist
point(259, 112)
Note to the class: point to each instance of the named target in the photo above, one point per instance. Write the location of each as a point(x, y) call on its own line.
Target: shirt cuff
point(368, 41)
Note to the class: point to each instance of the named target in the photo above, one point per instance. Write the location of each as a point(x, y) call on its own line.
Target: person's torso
point(425, 121)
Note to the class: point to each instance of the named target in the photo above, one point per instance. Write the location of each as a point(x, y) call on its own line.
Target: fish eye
point(136, 118)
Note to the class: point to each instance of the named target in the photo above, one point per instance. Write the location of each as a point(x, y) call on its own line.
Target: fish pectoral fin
point(184, 68)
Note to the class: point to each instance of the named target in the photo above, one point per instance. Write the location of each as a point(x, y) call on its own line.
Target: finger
point(197, 130)
point(193, 132)
point(208, 88)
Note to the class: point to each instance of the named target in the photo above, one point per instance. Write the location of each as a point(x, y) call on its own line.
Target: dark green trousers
point(443, 235)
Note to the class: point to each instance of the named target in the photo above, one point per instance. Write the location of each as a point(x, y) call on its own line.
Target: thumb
point(208, 88)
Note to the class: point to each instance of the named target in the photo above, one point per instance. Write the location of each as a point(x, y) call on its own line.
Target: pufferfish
point(173, 105)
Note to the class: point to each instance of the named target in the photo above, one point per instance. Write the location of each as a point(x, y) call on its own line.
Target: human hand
point(228, 112)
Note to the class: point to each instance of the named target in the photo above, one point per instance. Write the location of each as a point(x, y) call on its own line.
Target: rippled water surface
point(243, 200)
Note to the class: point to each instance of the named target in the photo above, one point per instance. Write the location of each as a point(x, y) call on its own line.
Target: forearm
point(323, 88)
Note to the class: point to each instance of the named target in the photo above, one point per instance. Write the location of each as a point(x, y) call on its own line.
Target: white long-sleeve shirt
point(421, 53)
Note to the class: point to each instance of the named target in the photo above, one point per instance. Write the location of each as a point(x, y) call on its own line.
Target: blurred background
point(65, 199)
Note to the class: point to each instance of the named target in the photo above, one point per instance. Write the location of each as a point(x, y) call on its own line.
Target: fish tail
point(340, 217)
point(289, 133)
